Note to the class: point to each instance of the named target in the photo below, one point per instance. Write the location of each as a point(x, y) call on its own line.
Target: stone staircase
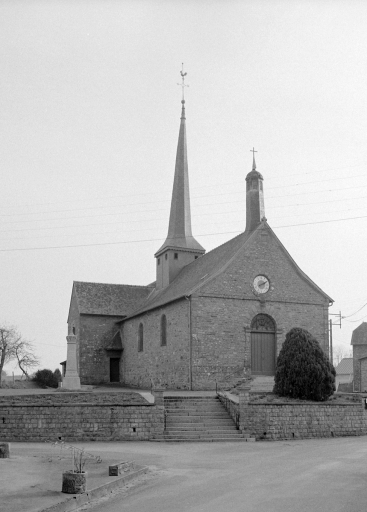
point(262, 383)
point(198, 418)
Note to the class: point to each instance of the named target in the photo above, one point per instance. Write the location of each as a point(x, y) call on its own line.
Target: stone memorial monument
point(71, 379)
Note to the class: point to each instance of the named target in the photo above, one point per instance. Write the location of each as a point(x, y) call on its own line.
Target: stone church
point(208, 318)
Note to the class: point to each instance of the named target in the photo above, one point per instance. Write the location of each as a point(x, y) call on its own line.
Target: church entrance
point(114, 369)
point(262, 345)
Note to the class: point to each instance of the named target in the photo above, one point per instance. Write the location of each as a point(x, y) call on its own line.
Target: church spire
point(255, 209)
point(179, 237)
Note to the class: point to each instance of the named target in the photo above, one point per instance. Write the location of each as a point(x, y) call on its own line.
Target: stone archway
point(263, 351)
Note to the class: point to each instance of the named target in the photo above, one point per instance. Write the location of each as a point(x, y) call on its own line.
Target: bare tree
point(25, 356)
point(339, 352)
point(13, 346)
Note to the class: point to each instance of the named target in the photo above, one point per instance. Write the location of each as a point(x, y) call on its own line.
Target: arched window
point(140, 338)
point(163, 330)
point(263, 322)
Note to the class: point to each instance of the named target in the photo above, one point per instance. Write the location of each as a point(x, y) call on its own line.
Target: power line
point(358, 310)
point(164, 209)
point(160, 239)
point(193, 197)
point(91, 233)
point(355, 321)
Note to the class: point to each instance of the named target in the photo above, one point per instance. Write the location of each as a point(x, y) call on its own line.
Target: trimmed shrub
point(46, 378)
point(303, 370)
point(57, 375)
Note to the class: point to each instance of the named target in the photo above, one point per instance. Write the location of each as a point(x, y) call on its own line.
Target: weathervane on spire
point(183, 85)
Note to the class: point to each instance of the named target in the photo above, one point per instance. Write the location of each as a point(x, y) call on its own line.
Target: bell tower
point(180, 247)
point(255, 209)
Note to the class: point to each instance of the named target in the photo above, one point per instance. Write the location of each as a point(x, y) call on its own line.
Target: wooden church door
point(114, 369)
point(262, 345)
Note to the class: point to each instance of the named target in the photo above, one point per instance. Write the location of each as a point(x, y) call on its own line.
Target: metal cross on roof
point(253, 151)
point(183, 85)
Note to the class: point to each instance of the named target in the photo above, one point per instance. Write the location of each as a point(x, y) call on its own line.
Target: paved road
point(309, 475)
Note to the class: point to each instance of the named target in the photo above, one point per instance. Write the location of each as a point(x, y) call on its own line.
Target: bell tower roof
point(255, 208)
point(179, 231)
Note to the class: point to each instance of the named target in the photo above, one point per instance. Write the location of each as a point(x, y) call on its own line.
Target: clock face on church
point(261, 284)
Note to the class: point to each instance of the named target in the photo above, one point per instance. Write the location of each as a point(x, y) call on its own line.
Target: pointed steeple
point(179, 238)
point(179, 230)
point(253, 161)
point(255, 208)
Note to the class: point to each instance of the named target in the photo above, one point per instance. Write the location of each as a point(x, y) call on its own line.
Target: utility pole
point(331, 323)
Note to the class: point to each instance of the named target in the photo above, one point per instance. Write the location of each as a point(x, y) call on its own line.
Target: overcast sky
point(89, 120)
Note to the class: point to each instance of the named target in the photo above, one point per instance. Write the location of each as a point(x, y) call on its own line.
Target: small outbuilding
point(359, 344)
point(344, 375)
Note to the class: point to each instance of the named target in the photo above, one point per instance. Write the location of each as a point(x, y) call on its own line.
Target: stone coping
point(235, 399)
point(305, 404)
point(77, 404)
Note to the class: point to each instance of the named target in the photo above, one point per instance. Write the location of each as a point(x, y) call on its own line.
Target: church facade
point(209, 318)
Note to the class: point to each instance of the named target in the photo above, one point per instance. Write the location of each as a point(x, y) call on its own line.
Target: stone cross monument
point(71, 379)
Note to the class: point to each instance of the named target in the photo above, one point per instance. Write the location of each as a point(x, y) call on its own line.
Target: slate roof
point(206, 267)
point(359, 336)
point(115, 343)
point(345, 367)
point(109, 299)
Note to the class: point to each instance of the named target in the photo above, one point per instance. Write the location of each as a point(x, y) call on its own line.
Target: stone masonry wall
point(359, 351)
point(302, 420)
point(232, 407)
point(168, 365)
point(95, 333)
point(99, 419)
point(221, 334)
point(289, 290)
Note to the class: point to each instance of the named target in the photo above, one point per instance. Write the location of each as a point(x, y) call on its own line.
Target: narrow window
point(196, 257)
point(163, 330)
point(159, 261)
point(140, 338)
point(165, 256)
point(176, 256)
point(73, 330)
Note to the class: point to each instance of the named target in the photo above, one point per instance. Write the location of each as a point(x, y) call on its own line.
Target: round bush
point(46, 378)
point(303, 370)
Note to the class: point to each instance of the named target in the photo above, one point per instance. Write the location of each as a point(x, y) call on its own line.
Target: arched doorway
point(263, 345)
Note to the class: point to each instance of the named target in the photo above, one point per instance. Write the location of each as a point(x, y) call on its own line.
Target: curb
point(77, 501)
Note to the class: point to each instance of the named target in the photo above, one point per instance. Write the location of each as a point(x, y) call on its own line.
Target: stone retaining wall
point(110, 418)
point(290, 421)
point(231, 406)
point(277, 420)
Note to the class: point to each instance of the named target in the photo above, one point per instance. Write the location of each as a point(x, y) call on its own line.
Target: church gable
point(262, 254)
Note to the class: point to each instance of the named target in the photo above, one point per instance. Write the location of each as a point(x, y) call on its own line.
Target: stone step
point(196, 412)
point(200, 426)
point(262, 383)
point(193, 435)
point(198, 420)
point(216, 408)
point(190, 397)
point(208, 431)
point(201, 440)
